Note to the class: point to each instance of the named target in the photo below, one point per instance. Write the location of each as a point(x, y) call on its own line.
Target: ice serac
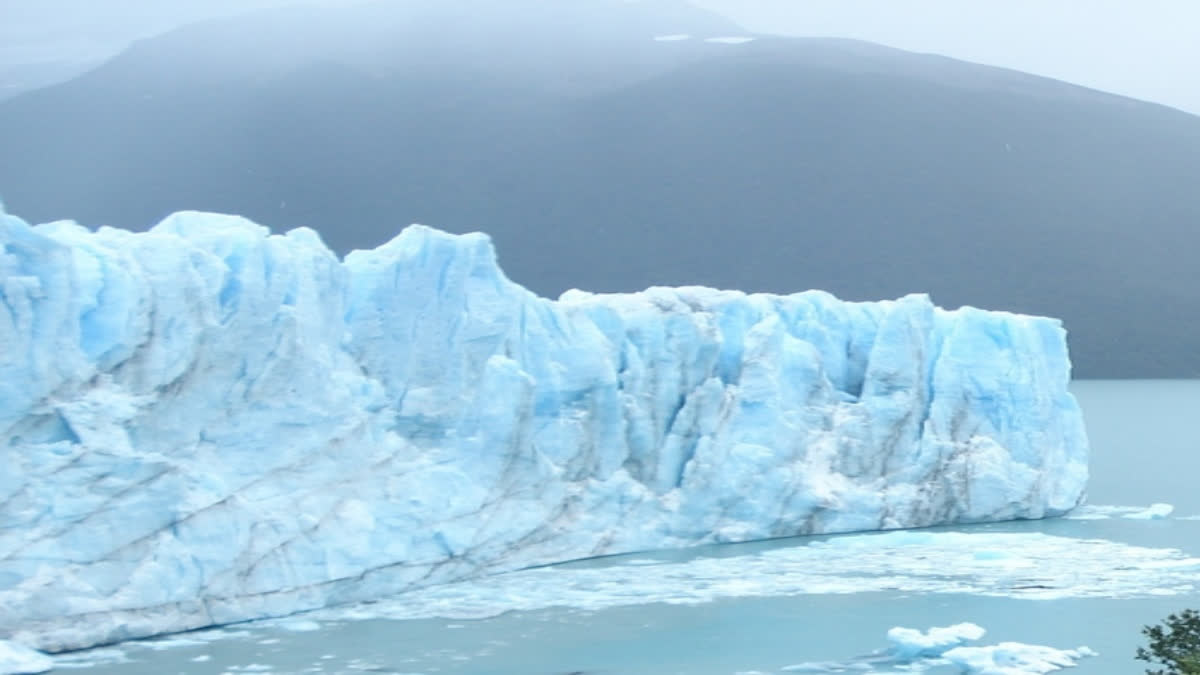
point(206, 423)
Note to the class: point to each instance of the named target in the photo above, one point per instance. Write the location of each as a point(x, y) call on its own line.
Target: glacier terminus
point(206, 423)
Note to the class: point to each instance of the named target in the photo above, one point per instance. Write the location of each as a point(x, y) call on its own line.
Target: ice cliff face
point(204, 424)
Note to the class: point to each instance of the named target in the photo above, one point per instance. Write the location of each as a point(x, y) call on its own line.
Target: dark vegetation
point(601, 159)
point(1174, 644)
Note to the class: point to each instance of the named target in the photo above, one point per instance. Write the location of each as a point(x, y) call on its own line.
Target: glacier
point(208, 423)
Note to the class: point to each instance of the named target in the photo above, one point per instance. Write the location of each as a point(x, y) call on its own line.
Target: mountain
point(19, 78)
point(602, 158)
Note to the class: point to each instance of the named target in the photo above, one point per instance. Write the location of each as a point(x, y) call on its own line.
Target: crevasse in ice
point(206, 423)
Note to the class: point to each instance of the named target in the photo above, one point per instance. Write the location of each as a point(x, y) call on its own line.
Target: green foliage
point(1175, 644)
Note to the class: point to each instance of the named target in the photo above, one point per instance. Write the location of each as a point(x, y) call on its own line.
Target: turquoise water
point(765, 606)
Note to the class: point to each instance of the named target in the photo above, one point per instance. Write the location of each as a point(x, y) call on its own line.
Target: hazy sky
point(1148, 49)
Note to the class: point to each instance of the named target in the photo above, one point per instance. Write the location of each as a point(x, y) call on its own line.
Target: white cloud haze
point(1146, 49)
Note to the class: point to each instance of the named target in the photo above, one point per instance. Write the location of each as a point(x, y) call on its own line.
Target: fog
point(1147, 50)
point(1144, 50)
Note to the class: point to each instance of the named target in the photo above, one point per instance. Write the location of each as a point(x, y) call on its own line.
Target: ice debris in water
point(1027, 565)
point(1015, 658)
point(299, 626)
point(1156, 511)
point(909, 643)
point(209, 424)
point(914, 650)
point(1153, 512)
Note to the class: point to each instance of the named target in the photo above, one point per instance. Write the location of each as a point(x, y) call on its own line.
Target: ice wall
point(204, 424)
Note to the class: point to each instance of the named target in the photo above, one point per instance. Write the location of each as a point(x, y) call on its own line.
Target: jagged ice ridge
point(205, 423)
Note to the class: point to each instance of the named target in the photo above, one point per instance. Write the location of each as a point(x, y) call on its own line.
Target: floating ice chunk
point(1092, 512)
point(16, 659)
point(731, 40)
point(672, 38)
point(103, 656)
point(299, 626)
point(913, 650)
point(1015, 658)
point(1157, 511)
point(162, 644)
point(909, 643)
point(1153, 512)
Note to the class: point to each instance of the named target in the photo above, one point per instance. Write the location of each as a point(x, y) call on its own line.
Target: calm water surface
point(765, 606)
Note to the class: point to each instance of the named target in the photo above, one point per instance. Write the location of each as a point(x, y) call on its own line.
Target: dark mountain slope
point(601, 159)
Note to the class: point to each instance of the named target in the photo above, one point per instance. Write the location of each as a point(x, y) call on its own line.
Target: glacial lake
point(816, 605)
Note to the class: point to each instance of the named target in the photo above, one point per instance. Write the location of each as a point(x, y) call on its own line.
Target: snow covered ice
point(205, 424)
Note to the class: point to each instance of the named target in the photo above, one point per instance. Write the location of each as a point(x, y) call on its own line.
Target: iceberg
point(910, 644)
point(207, 423)
point(1016, 658)
point(1156, 511)
point(915, 651)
